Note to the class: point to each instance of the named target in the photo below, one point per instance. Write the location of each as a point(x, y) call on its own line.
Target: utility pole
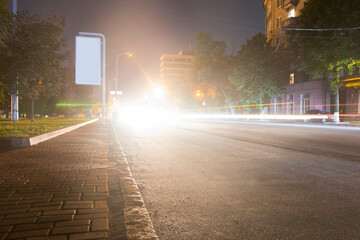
point(14, 95)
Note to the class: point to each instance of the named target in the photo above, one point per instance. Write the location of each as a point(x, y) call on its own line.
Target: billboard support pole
point(102, 67)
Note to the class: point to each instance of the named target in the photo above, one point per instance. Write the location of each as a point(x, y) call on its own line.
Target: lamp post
point(116, 72)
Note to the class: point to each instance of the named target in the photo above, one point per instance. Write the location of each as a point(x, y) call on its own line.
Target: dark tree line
point(252, 76)
point(32, 62)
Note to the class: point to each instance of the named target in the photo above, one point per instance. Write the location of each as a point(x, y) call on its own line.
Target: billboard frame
point(102, 37)
point(88, 60)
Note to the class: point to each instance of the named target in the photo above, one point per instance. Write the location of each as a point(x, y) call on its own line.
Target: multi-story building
point(280, 14)
point(303, 92)
point(175, 71)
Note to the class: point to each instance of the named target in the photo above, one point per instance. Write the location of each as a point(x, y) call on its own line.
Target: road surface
point(218, 180)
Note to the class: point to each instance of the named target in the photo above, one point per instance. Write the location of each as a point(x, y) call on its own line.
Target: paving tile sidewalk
point(57, 189)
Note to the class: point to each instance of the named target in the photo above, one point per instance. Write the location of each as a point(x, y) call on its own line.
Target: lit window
point(291, 13)
point(292, 78)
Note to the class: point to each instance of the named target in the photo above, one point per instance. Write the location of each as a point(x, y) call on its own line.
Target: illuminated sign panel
point(88, 60)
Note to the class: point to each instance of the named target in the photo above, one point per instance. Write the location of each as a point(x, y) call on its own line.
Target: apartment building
point(302, 92)
point(175, 71)
point(280, 14)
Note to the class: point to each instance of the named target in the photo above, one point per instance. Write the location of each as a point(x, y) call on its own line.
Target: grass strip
point(25, 128)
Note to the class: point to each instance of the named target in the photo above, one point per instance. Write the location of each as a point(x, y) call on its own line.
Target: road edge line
point(138, 224)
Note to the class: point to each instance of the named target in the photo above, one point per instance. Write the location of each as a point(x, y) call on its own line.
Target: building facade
point(280, 14)
point(303, 92)
point(175, 72)
point(350, 93)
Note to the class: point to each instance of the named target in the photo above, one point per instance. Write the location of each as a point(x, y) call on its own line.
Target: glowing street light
point(158, 92)
point(198, 94)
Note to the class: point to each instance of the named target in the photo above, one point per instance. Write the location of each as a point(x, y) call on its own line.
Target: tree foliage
point(257, 72)
point(32, 63)
point(212, 68)
point(73, 93)
point(4, 16)
point(326, 53)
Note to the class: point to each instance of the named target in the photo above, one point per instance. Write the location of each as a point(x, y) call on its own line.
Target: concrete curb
point(137, 220)
point(27, 142)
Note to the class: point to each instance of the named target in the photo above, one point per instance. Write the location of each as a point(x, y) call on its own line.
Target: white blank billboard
point(88, 60)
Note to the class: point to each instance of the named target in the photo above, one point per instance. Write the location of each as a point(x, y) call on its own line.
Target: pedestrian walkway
point(57, 189)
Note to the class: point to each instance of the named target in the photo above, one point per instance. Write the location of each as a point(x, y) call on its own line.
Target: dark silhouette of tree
point(212, 68)
point(257, 72)
point(32, 61)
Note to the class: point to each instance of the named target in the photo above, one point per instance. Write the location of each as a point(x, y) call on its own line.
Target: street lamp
point(198, 93)
point(158, 92)
point(116, 73)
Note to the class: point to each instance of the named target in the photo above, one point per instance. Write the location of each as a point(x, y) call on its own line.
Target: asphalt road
point(213, 180)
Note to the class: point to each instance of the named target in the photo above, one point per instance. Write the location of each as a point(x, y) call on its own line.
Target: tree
point(325, 42)
point(74, 97)
point(257, 72)
point(4, 18)
point(212, 68)
point(32, 65)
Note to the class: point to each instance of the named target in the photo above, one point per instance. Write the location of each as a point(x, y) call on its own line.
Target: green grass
point(26, 128)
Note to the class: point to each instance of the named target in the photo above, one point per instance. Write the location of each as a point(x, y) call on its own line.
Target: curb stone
point(30, 141)
point(137, 220)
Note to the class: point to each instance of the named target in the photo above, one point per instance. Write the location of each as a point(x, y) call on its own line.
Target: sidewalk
point(57, 189)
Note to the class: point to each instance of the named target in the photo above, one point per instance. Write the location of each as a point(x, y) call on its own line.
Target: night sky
point(149, 28)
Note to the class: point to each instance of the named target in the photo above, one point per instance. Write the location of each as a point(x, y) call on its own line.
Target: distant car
point(327, 117)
